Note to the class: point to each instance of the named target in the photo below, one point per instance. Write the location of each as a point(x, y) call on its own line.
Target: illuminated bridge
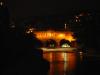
point(55, 39)
point(59, 48)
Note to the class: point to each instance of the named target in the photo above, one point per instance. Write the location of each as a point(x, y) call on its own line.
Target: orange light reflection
point(61, 62)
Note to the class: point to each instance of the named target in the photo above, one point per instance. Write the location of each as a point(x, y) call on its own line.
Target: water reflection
point(61, 63)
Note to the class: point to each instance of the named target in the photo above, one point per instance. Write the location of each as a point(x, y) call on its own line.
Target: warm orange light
point(49, 34)
point(44, 35)
point(64, 56)
point(61, 35)
point(66, 61)
point(69, 37)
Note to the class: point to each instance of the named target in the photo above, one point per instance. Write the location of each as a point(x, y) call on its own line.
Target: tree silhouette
point(86, 31)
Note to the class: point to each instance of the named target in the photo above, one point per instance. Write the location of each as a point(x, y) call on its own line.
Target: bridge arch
point(64, 43)
point(50, 43)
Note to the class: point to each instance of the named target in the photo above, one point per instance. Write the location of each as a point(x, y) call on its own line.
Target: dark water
point(72, 63)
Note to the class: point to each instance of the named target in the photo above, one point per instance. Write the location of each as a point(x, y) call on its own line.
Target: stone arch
point(50, 43)
point(64, 43)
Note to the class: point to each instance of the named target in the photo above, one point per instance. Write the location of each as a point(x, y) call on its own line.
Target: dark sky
point(27, 8)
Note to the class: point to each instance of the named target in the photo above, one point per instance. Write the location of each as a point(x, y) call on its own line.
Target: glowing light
point(30, 30)
point(1, 3)
point(45, 35)
point(61, 35)
point(81, 55)
point(49, 34)
point(57, 35)
point(51, 57)
point(81, 14)
point(65, 26)
point(70, 37)
point(65, 45)
point(70, 49)
point(65, 62)
point(76, 17)
point(64, 55)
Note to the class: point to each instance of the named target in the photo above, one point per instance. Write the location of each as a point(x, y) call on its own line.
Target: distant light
point(81, 53)
point(77, 17)
point(76, 20)
point(13, 26)
point(30, 30)
point(1, 3)
point(80, 14)
point(65, 26)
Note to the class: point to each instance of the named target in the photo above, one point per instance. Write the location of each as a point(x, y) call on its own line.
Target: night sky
point(27, 8)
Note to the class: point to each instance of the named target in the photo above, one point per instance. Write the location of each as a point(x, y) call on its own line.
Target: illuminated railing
point(59, 49)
